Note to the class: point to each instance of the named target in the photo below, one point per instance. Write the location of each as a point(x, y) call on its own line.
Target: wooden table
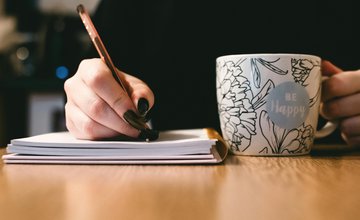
point(323, 185)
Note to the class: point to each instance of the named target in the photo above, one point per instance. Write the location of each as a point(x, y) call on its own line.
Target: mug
point(268, 104)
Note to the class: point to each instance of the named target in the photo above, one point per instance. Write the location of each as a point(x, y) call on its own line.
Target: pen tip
point(80, 8)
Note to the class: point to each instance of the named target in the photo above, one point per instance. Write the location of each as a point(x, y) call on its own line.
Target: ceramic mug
point(268, 104)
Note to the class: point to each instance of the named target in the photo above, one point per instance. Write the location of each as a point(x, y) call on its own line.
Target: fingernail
point(139, 123)
point(143, 106)
point(148, 115)
point(148, 134)
point(134, 120)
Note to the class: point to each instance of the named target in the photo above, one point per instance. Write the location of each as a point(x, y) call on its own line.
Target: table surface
point(322, 185)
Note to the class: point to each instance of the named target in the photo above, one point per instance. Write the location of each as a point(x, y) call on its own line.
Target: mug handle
point(327, 129)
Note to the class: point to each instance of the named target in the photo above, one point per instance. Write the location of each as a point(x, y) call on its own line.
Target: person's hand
point(341, 97)
point(97, 107)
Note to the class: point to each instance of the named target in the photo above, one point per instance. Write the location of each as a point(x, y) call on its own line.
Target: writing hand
point(97, 107)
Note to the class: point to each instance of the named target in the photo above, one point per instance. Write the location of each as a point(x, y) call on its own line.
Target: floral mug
point(268, 104)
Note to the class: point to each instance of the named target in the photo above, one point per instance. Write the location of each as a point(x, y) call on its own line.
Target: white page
point(199, 149)
point(105, 158)
point(180, 138)
point(115, 162)
point(191, 146)
point(169, 143)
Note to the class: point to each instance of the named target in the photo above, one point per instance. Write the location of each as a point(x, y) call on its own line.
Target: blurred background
point(41, 42)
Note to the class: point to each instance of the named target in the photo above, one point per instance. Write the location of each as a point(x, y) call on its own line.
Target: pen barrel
point(106, 58)
point(99, 45)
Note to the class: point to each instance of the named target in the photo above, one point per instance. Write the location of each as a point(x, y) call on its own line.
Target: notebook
point(186, 146)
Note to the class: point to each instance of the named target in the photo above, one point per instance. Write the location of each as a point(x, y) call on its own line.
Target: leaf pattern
point(267, 127)
point(270, 66)
point(316, 98)
point(301, 69)
point(256, 73)
point(283, 141)
point(259, 100)
point(241, 111)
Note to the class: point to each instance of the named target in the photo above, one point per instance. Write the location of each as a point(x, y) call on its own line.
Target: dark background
point(172, 45)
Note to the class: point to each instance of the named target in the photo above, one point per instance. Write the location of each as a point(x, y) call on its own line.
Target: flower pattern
point(235, 107)
point(239, 100)
point(301, 70)
point(284, 141)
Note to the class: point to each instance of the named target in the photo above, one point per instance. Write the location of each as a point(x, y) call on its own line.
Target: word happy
point(288, 110)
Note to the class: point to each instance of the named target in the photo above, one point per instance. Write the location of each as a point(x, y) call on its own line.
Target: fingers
point(98, 107)
point(340, 94)
point(350, 130)
point(329, 69)
point(341, 100)
point(140, 94)
point(346, 106)
point(350, 126)
point(95, 109)
point(343, 84)
point(83, 127)
point(351, 141)
point(100, 80)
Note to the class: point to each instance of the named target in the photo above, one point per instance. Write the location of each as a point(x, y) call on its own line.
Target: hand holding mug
point(341, 100)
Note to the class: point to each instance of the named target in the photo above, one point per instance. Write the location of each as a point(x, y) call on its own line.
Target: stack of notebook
point(193, 146)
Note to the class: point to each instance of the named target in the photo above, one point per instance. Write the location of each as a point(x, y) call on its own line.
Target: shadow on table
point(334, 150)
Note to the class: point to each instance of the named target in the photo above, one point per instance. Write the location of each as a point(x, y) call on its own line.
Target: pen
point(95, 38)
point(132, 118)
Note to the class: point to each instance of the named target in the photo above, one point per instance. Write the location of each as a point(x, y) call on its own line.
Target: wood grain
point(324, 185)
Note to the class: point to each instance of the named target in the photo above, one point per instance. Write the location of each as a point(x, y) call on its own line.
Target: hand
point(97, 106)
point(341, 97)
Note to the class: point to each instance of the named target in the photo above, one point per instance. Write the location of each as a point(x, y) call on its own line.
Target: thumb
point(329, 69)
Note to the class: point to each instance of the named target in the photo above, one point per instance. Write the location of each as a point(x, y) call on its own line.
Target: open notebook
point(194, 146)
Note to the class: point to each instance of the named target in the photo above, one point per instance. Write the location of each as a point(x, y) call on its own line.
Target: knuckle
point(95, 77)
point(118, 102)
point(344, 128)
point(82, 64)
point(85, 63)
point(69, 125)
point(348, 126)
point(66, 107)
point(97, 108)
point(93, 72)
point(68, 85)
point(89, 129)
point(144, 91)
point(335, 84)
point(331, 109)
point(68, 121)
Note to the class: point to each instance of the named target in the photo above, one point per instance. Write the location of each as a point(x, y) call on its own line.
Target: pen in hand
point(131, 117)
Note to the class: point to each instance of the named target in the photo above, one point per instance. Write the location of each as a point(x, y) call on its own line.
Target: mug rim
point(250, 55)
